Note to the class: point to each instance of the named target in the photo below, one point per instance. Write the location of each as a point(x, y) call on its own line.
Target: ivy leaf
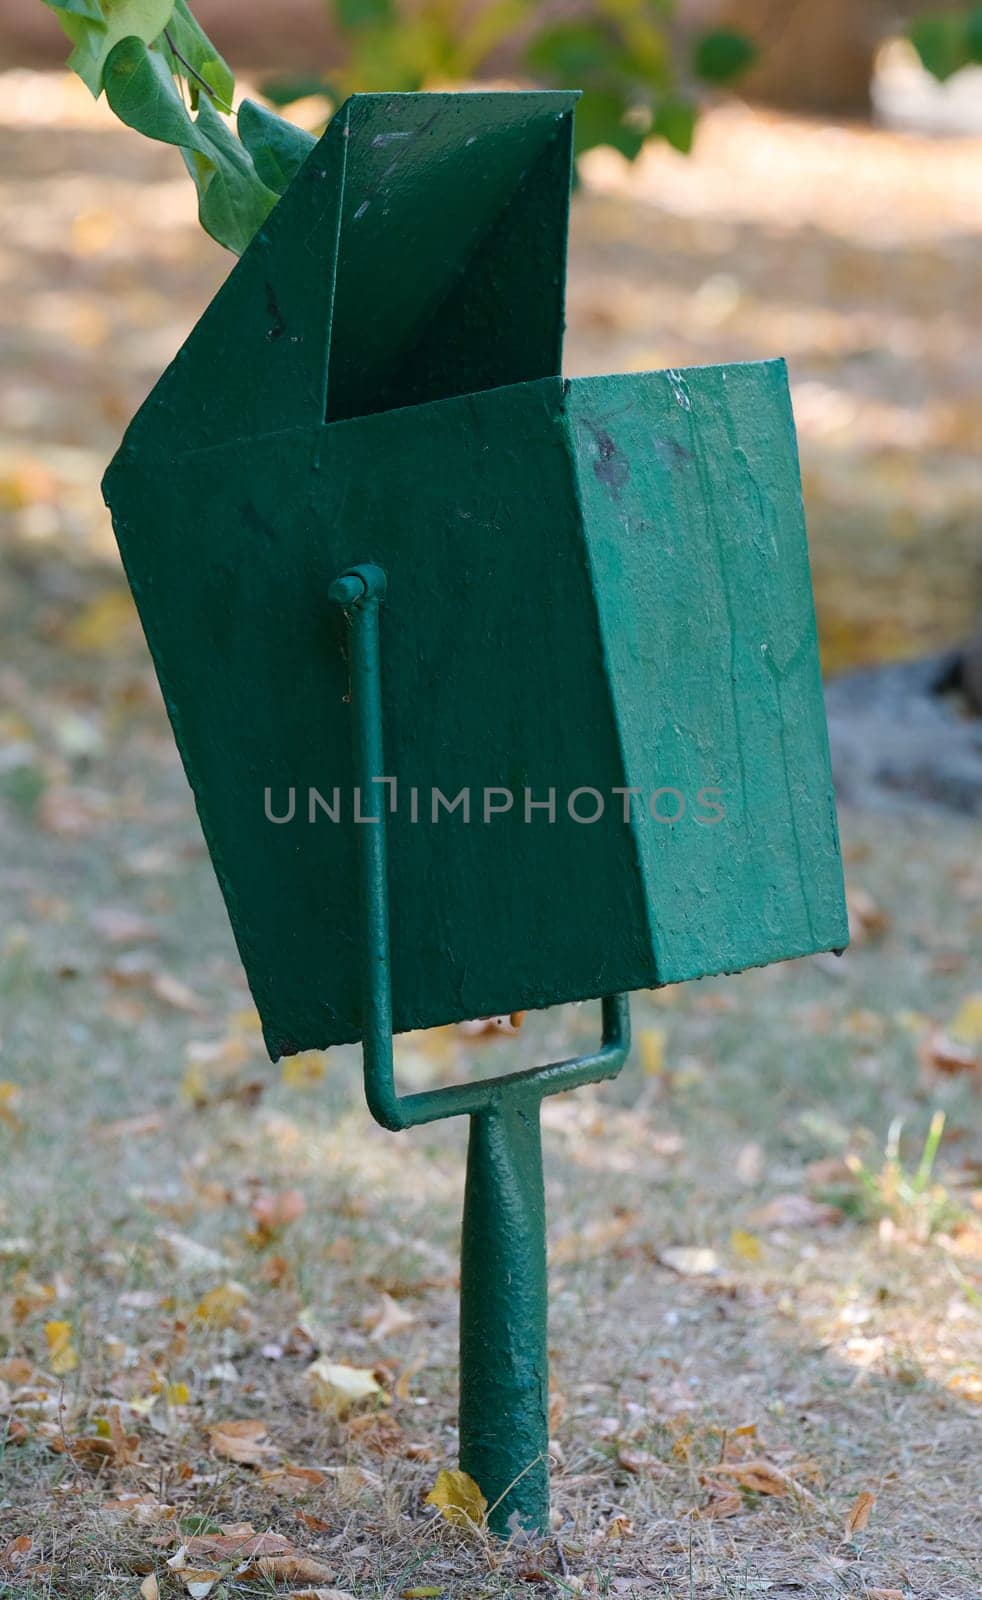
point(576, 52)
point(278, 149)
point(94, 37)
point(675, 122)
point(91, 10)
point(941, 42)
point(284, 91)
point(142, 93)
point(365, 13)
point(603, 116)
point(721, 55)
point(233, 202)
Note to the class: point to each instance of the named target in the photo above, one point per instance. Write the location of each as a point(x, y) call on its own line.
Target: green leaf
point(142, 93)
point(91, 10)
point(603, 116)
point(365, 13)
point(283, 91)
point(277, 148)
point(121, 19)
point(721, 55)
point(576, 53)
point(675, 122)
point(974, 34)
point(233, 202)
point(191, 42)
point(943, 42)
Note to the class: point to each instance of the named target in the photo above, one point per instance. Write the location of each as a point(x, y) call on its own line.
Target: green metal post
point(504, 1370)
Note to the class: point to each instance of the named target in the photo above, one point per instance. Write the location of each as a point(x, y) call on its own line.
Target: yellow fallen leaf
point(859, 1512)
point(421, 1592)
point(62, 1354)
point(247, 1441)
point(9, 1096)
point(458, 1498)
point(220, 1305)
point(967, 1385)
point(304, 1070)
point(338, 1387)
point(651, 1046)
point(177, 1394)
point(103, 624)
point(745, 1245)
point(966, 1024)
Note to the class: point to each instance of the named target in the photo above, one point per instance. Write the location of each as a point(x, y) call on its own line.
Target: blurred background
point(775, 1218)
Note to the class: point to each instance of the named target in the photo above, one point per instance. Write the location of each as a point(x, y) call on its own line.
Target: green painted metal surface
point(373, 534)
point(591, 585)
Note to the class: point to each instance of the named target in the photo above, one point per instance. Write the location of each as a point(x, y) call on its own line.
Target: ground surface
point(184, 1229)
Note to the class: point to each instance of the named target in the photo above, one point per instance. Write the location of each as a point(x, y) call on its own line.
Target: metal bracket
point(360, 592)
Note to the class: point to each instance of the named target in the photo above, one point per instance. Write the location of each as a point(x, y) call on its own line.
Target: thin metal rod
point(360, 592)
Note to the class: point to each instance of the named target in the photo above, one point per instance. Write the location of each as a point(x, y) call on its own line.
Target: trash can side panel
point(693, 516)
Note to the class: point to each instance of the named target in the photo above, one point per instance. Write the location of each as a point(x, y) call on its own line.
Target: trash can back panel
point(493, 676)
point(693, 519)
point(451, 258)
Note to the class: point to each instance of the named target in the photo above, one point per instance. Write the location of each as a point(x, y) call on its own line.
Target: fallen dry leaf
point(17, 1553)
point(119, 925)
point(320, 1594)
point(389, 1318)
point(62, 1354)
point(966, 1024)
point(149, 1589)
point(867, 921)
point(651, 1047)
point(231, 1545)
point(245, 1441)
point(458, 1498)
point(337, 1387)
point(220, 1306)
point(690, 1261)
point(725, 1504)
point(858, 1515)
point(759, 1476)
point(290, 1569)
point(292, 1480)
point(489, 1027)
point(9, 1097)
point(274, 1211)
point(940, 1052)
point(639, 1461)
point(796, 1211)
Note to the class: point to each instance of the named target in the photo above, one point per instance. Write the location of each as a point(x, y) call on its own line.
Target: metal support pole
point(504, 1363)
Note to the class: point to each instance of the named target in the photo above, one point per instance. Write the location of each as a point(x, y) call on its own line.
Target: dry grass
point(143, 1134)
